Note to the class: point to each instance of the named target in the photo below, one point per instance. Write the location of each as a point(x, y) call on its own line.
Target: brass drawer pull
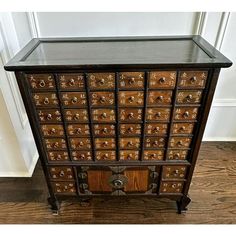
point(104, 115)
point(72, 82)
point(162, 80)
point(158, 114)
point(160, 99)
point(42, 83)
point(49, 116)
point(102, 99)
point(131, 99)
point(193, 79)
point(105, 144)
point(46, 101)
point(131, 115)
point(131, 80)
point(186, 114)
point(189, 98)
point(74, 100)
point(104, 130)
point(156, 129)
point(177, 155)
point(78, 131)
point(52, 131)
point(130, 130)
point(76, 116)
point(101, 81)
point(179, 143)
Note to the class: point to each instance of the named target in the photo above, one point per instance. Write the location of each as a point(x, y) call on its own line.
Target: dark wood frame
point(213, 65)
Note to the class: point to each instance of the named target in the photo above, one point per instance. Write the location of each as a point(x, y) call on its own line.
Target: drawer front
point(61, 173)
point(129, 155)
point(131, 115)
point(180, 142)
point(81, 155)
point(48, 116)
point(80, 143)
point(106, 155)
point(130, 129)
point(41, 81)
point(193, 79)
point(131, 80)
point(162, 79)
point(105, 143)
point(129, 143)
point(74, 99)
point(155, 155)
point(131, 98)
point(186, 113)
point(177, 154)
point(182, 128)
point(45, 99)
point(58, 156)
point(102, 81)
point(102, 98)
point(64, 188)
point(71, 81)
point(52, 130)
point(76, 115)
point(167, 187)
point(55, 143)
point(78, 130)
point(156, 129)
point(103, 115)
point(158, 114)
point(104, 130)
point(156, 98)
point(155, 142)
point(189, 96)
point(174, 172)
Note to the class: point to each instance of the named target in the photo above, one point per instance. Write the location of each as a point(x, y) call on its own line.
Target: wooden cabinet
point(118, 117)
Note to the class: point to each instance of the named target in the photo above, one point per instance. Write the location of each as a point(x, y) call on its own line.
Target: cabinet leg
point(55, 206)
point(182, 204)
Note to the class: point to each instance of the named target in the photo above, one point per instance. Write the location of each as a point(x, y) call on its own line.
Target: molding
point(28, 173)
point(222, 29)
point(33, 22)
point(201, 23)
point(218, 139)
point(224, 102)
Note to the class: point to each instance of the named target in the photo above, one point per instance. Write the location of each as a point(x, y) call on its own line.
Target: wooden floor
point(213, 193)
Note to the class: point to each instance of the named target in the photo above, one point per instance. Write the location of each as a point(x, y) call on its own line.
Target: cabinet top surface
point(120, 52)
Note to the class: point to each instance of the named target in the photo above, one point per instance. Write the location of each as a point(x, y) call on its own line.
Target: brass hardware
point(155, 143)
point(101, 81)
point(177, 155)
point(62, 173)
point(131, 115)
point(49, 116)
point(174, 185)
point(153, 156)
point(72, 82)
point(82, 175)
point(46, 101)
point(186, 114)
point(189, 98)
point(78, 131)
point(104, 130)
point(74, 100)
point(56, 145)
point(76, 117)
point(82, 156)
point(104, 115)
point(105, 156)
point(158, 114)
point(160, 99)
point(130, 130)
point(129, 157)
point(130, 144)
point(42, 83)
point(162, 80)
point(52, 131)
point(102, 99)
point(156, 129)
point(105, 144)
point(81, 144)
point(131, 99)
point(117, 181)
point(180, 143)
point(83, 186)
point(131, 80)
point(193, 79)
point(182, 128)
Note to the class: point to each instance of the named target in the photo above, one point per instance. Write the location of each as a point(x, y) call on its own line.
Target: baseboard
point(219, 139)
point(28, 173)
point(224, 102)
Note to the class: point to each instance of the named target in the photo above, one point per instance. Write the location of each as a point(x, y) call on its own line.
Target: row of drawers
point(126, 80)
point(125, 98)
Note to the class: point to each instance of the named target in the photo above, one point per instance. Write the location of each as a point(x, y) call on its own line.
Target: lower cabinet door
point(118, 180)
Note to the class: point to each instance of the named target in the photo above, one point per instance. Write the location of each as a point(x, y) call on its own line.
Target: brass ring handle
point(156, 129)
point(182, 129)
point(82, 156)
point(53, 131)
point(105, 156)
point(130, 129)
point(72, 82)
point(155, 143)
point(80, 144)
point(160, 98)
point(105, 144)
point(131, 115)
point(175, 172)
point(76, 117)
point(49, 116)
point(158, 114)
point(180, 143)
point(74, 100)
point(129, 157)
point(58, 157)
point(176, 155)
point(189, 98)
point(104, 130)
point(102, 99)
point(62, 173)
point(46, 101)
point(131, 99)
point(186, 114)
point(56, 145)
point(78, 131)
point(162, 80)
point(131, 80)
point(42, 83)
point(153, 155)
point(118, 183)
point(104, 115)
point(101, 81)
point(130, 144)
point(193, 79)
point(174, 185)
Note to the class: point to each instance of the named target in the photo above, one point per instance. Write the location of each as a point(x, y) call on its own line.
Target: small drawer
point(177, 154)
point(105, 143)
point(41, 81)
point(81, 155)
point(156, 98)
point(180, 142)
point(131, 80)
point(49, 116)
point(78, 130)
point(76, 115)
point(64, 187)
point(58, 156)
point(52, 130)
point(106, 155)
point(193, 79)
point(130, 129)
point(131, 115)
point(189, 96)
point(182, 128)
point(156, 129)
point(55, 143)
point(74, 99)
point(80, 143)
point(155, 142)
point(104, 115)
point(158, 114)
point(101, 81)
point(102, 98)
point(174, 172)
point(153, 155)
point(129, 143)
point(104, 130)
point(70, 81)
point(45, 99)
point(129, 155)
point(61, 173)
point(131, 98)
point(167, 187)
point(186, 113)
point(162, 79)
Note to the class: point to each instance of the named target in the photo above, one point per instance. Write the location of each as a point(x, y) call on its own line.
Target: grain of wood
point(23, 200)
